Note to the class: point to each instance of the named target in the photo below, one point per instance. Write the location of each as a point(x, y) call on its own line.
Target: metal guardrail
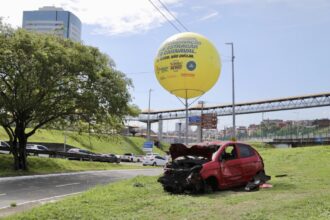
point(70, 156)
point(316, 140)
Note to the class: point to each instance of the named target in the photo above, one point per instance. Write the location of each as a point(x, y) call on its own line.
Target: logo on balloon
point(191, 65)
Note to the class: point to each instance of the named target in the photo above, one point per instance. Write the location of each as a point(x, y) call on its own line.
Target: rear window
point(245, 150)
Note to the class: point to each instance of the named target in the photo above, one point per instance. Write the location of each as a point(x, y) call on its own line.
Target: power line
point(168, 20)
point(173, 16)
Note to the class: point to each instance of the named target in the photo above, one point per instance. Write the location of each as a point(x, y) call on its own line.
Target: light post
point(64, 141)
point(148, 123)
point(201, 121)
point(261, 126)
point(233, 87)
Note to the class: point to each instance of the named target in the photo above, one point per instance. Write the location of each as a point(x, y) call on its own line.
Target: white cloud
point(209, 16)
point(110, 17)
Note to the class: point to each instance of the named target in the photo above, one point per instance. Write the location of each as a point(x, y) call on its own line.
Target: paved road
point(31, 189)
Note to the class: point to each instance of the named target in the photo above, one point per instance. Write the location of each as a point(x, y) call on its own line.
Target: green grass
point(38, 165)
point(96, 143)
point(303, 194)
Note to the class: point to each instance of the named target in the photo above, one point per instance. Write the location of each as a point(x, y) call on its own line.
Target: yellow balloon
point(187, 65)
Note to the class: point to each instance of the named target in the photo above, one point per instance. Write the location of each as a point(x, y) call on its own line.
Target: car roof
point(204, 149)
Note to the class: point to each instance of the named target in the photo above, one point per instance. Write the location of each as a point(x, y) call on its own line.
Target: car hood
point(201, 150)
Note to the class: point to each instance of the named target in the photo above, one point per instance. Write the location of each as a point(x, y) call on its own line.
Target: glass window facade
point(53, 20)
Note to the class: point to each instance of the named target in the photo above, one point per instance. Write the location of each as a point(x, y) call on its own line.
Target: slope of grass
point(303, 194)
point(38, 165)
point(93, 142)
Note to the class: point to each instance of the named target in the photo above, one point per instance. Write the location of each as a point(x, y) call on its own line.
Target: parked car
point(6, 146)
point(154, 160)
point(211, 166)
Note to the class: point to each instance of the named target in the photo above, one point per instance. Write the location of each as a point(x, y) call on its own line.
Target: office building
point(53, 20)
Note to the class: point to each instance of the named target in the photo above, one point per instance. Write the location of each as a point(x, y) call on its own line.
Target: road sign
point(194, 120)
point(148, 145)
point(209, 121)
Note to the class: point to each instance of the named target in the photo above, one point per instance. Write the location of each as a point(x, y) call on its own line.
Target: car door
point(249, 161)
point(230, 166)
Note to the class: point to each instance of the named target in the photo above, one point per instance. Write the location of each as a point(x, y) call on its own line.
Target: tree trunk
point(22, 153)
point(14, 151)
point(22, 140)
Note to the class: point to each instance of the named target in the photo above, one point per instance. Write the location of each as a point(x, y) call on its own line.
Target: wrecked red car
point(211, 166)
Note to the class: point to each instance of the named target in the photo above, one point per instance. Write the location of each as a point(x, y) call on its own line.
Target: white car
point(129, 157)
point(154, 161)
point(150, 155)
point(37, 147)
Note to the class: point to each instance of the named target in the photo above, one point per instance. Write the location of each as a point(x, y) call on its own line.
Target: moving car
point(80, 151)
point(86, 155)
point(155, 160)
point(6, 146)
point(111, 158)
point(130, 157)
point(152, 154)
point(35, 148)
point(211, 166)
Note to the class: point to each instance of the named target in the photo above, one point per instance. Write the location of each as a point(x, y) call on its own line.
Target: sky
point(282, 47)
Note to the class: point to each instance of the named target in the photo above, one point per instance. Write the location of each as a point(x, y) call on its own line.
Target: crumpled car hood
point(201, 150)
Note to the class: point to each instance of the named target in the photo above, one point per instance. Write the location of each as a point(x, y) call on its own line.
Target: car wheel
point(154, 164)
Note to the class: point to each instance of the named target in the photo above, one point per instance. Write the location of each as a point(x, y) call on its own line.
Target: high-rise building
point(53, 20)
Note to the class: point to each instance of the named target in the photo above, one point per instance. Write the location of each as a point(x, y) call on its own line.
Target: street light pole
point(201, 121)
point(148, 123)
point(233, 87)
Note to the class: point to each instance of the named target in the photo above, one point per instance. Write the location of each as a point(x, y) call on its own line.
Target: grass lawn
point(303, 194)
point(38, 165)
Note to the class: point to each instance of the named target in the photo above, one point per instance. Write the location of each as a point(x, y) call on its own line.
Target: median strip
point(69, 184)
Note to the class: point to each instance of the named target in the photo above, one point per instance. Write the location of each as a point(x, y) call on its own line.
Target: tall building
point(53, 20)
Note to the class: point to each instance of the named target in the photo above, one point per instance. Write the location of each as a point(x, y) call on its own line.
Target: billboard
point(194, 120)
point(209, 121)
point(147, 146)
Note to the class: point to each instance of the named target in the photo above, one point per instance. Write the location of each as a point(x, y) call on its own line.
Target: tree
point(44, 78)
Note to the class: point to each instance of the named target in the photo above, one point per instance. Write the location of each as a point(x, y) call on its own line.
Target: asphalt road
point(42, 188)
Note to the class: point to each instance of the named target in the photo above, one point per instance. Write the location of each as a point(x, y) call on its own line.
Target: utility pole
point(233, 88)
point(261, 128)
point(148, 123)
point(201, 122)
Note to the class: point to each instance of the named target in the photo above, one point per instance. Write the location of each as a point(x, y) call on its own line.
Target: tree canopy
point(44, 78)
